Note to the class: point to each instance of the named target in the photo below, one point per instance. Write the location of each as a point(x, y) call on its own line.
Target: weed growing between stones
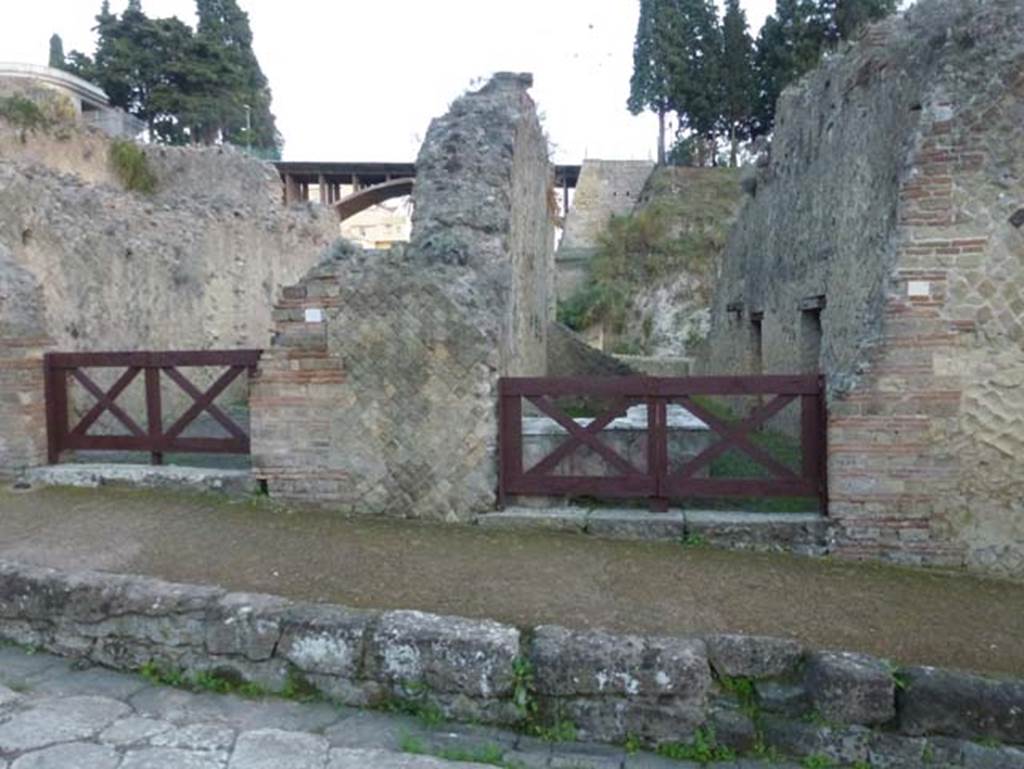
point(415, 704)
point(23, 114)
point(817, 761)
point(296, 687)
point(524, 697)
point(488, 753)
point(132, 167)
point(703, 748)
point(694, 540)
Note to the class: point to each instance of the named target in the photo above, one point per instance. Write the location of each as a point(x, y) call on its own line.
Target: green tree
point(242, 113)
point(792, 39)
point(696, 73)
point(788, 45)
point(56, 52)
point(738, 82)
point(189, 87)
point(650, 87)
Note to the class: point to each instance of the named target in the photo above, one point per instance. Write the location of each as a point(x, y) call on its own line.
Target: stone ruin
point(379, 391)
point(884, 244)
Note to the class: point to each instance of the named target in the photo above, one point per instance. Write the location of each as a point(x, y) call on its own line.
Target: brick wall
point(22, 342)
point(382, 398)
point(926, 455)
point(895, 178)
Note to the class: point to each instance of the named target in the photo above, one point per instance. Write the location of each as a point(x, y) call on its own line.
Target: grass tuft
point(132, 166)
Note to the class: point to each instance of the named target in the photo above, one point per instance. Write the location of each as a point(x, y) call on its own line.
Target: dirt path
point(910, 616)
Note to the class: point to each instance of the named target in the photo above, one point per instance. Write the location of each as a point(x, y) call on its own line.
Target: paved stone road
point(54, 716)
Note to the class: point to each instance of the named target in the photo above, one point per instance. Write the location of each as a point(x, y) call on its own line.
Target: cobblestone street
point(54, 716)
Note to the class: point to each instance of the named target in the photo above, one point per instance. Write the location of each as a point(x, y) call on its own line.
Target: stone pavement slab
point(158, 727)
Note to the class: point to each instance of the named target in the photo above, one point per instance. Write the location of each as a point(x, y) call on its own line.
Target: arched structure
point(371, 196)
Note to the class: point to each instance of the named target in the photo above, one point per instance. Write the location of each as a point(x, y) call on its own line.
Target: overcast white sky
point(360, 79)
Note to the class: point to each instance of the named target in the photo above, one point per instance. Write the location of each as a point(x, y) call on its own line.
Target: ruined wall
point(196, 265)
point(605, 188)
point(386, 403)
point(889, 206)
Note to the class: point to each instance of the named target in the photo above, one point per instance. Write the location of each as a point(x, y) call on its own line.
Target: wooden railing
point(658, 480)
point(153, 438)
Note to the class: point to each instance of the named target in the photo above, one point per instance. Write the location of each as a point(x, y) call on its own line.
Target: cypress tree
point(696, 72)
point(739, 87)
point(225, 33)
point(650, 87)
point(789, 45)
point(56, 52)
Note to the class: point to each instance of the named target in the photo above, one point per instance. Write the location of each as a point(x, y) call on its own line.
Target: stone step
point(234, 482)
point(804, 533)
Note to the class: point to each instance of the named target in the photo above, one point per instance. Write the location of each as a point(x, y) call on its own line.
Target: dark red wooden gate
point(658, 480)
point(61, 367)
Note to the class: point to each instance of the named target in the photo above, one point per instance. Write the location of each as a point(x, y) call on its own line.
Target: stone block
point(798, 738)
point(894, 751)
point(733, 729)
point(749, 656)
point(38, 593)
point(634, 524)
point(576, 663)
point(789, 700)
point(613, 719)
point(992, 757)
point(325, 640)
point(850, 688)
point(245, 624)
point(445, 654)
point(760, 532)
point(935, 701)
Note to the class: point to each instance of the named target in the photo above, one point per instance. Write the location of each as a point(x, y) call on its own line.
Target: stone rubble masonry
point(849, 707)
point(86, 265)
point(894, 176)
point(388, 404)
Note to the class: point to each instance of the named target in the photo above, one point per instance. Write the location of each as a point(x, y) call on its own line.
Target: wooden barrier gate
point(154, 439)
point(658, 481)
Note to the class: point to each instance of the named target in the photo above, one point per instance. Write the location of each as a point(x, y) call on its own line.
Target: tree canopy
point(716, 79)
point(189, 86)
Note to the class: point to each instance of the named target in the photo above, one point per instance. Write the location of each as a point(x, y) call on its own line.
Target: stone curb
point(611, 687)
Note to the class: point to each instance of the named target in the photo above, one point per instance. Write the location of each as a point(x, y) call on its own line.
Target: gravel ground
point(526, 578)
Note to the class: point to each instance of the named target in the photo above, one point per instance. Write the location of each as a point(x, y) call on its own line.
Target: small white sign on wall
point(314, 315)
point(915, 288)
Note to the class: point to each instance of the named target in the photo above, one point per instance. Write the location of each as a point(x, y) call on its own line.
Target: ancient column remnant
point(379, 392)
point(880, 247)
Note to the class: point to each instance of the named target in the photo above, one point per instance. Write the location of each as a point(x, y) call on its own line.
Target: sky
point(360, 80)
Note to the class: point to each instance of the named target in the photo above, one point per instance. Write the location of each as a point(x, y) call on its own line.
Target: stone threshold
point(90, 476)
point(802, 533)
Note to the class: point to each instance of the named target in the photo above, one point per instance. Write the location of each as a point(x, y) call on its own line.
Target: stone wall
point(746, 693)
point(196, 265)
point(605, 188)
point(379, 393)
point(883, 244)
